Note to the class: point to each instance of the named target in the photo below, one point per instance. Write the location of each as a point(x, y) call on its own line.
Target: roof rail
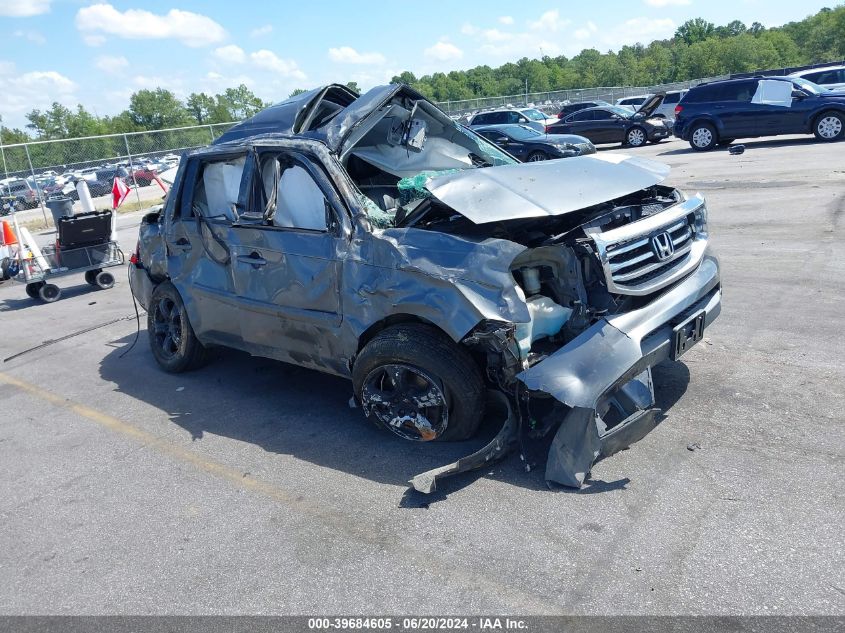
point(775, 72)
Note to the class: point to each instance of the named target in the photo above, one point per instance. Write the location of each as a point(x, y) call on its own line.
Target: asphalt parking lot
point(251, 487)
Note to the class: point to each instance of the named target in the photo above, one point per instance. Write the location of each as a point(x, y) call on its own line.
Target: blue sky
point(99, 53)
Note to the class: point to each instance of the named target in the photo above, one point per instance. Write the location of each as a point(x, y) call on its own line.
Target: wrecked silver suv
point(373, 238)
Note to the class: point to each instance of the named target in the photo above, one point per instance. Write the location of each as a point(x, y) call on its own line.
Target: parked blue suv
point(716, 113)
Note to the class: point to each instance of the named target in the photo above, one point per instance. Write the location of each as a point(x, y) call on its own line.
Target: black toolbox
point(84, 229)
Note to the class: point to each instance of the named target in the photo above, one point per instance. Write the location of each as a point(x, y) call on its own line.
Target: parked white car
point(632, 103)
point(831, 77)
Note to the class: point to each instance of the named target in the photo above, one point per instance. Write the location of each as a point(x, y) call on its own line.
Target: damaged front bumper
point(603, 376)
point(601, 381)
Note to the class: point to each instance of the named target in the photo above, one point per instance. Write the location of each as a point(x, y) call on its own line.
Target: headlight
point(699, 224)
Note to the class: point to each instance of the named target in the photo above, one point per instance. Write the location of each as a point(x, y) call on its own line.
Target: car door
point(287, 262)
point(732, 107)
point(608, 127)
point(197, 235)
point(777, 111)
point(577, 123)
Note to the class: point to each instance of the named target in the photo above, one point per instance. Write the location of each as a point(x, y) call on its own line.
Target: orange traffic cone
point(8, 234)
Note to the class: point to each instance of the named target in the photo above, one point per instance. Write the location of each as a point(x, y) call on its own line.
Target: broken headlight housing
point(699, 222)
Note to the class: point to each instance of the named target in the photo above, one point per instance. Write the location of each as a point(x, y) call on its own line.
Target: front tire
point(535, 157)
point(172, 339)
point(417, 383)
point(829, 126)
point(703, 137)
point(636, 137)
point(49, 293)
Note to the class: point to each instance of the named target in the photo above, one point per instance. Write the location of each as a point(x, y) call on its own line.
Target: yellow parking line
point(349, 525)
point(163, 446)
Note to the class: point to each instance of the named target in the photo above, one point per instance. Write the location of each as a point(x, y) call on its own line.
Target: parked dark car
point(374, 238)
point(716, 113)
point(529, 145)
point(615, 124)
point(23, 194)
point(108, 175)
point(580, 105)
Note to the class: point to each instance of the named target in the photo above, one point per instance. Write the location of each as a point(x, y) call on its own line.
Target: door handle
point(253, 259)
point(182, 244)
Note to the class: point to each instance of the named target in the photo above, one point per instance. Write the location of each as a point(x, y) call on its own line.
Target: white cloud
point(111, 64)
point(348, 55)
point(192, 29)
point(268, 60)
point(261, 31)
point(667, 3)
point(469, 29)
point(586, 31)
point(230, 54)
point(550, 21)
point(36, 89)
point(32, 36)
point(506, 19)
point(443, 52)
point(23, 8)
point(642, 30)
point(94, 40)
point(495, 35)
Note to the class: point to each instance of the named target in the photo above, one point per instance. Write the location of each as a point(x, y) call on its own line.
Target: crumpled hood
point(545, 188)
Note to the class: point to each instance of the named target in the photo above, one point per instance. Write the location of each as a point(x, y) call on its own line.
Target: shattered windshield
point(397, 151)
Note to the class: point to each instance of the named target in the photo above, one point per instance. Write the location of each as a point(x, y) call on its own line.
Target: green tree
point(296, 91)
point(200, 106)
point(696, 30)
point(240, 103)
point(157, 109)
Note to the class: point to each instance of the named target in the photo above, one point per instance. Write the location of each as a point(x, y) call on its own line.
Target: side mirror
point(799, 94)
point(501, 140)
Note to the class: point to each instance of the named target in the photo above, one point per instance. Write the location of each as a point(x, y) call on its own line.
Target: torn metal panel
point(604, 369)
point(547, 188)
point(494, 450)
point(445, 279)
point(298, 114)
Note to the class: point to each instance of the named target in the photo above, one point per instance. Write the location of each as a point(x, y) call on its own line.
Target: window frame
point(335, 205)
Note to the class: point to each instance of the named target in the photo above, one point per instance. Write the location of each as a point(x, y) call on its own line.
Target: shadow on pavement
point(289, 410)
point(750, 145)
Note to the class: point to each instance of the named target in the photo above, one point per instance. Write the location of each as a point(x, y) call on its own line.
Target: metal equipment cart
point(38, 267)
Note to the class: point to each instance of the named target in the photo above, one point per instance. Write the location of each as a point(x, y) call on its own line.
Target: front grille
point(636, 262)
point(630, 259)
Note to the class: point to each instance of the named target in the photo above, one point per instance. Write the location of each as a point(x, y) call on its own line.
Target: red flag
point(119, 192)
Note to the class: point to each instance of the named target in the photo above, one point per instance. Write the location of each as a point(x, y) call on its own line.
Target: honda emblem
point(663, 246)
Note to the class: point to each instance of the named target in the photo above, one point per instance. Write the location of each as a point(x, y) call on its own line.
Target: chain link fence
point(34, 171)
point(550, 101)
point(31, 172)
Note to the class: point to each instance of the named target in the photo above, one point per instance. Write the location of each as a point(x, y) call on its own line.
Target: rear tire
point(703, 137)
point(104, 280)
point(91, 277)
point(172, 339)
point(414, 381)
point(829, 126)
point(49, 293)
point(33, 288)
